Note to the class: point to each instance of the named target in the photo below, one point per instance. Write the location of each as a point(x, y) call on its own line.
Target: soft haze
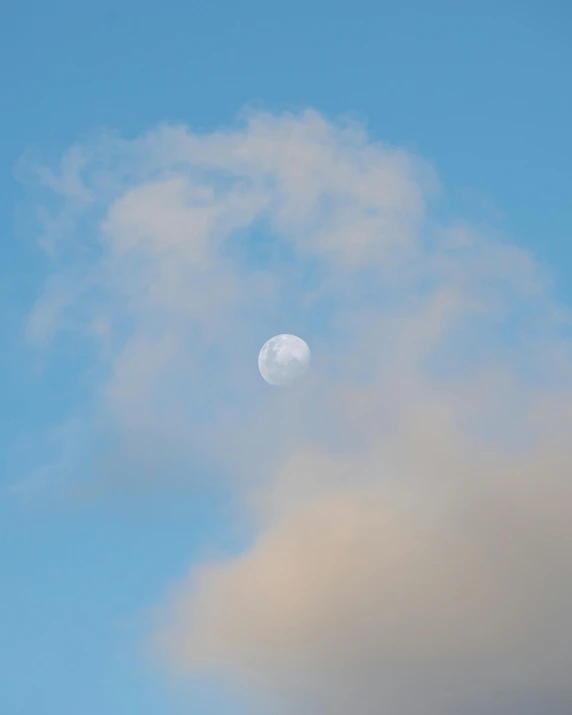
point(390, 535)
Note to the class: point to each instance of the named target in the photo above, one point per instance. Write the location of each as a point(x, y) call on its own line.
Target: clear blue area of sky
point(481, 88)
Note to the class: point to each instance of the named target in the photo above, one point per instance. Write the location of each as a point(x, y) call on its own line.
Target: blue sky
point(479, 90)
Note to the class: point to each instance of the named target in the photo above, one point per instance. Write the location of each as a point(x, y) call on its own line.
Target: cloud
point(439, 583)
point(410, 502)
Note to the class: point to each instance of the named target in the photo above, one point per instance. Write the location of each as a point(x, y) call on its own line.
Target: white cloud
point(411, 499)
point(428, 574)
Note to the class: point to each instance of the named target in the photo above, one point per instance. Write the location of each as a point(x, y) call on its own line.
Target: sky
point(181, 181)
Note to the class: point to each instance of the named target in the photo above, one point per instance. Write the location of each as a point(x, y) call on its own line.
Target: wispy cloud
point(411, 501)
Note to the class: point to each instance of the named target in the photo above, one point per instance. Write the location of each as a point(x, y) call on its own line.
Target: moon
point(283, 359)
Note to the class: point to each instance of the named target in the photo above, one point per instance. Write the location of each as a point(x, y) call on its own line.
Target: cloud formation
point(411, 503)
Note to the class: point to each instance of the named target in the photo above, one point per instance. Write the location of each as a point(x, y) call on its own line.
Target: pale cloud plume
point(428, 574)
point(410, 502)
